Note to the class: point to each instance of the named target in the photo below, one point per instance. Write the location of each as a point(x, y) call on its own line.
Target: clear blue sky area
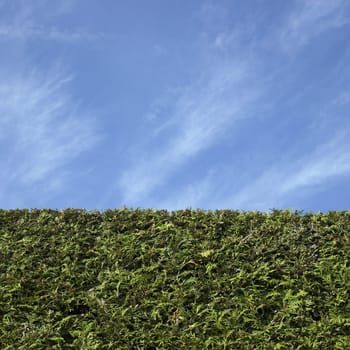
point(175, 104)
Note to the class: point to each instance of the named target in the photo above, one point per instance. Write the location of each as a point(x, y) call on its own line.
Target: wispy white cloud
point(213, 13)
point(311, 18)
point(23, 11)
point(31, 32)
point(342, 99)
point(232, 89)
point(193, 195)
point(282, 182)
point(279, 185)
point(203, 112)
point(42, 129)
point(32, 21)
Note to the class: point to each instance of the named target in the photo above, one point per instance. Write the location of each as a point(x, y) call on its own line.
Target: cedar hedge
point(187, 279)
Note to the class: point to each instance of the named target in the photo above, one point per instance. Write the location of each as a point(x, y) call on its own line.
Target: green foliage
point(148, 279)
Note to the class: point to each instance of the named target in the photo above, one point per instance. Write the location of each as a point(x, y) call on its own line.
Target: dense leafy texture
point(147, 279)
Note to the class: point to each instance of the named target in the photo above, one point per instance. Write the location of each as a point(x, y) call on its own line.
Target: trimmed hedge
point(187, 279)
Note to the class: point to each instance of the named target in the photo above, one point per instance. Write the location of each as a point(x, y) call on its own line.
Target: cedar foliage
point(187, 279)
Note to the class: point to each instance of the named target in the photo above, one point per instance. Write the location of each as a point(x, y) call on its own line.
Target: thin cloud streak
point(310, 19)
point(195, 195)
point(281, 182)
point(203, 113)
point(28, 12)
point(31, 32)
point(27, 22)
point(40, 122)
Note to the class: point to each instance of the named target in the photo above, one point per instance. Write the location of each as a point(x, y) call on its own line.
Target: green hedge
point(187, 279)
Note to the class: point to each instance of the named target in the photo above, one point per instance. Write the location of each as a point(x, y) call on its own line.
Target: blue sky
point(175, 104)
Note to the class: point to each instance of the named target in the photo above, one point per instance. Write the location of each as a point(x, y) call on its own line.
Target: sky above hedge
point(175, 104)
